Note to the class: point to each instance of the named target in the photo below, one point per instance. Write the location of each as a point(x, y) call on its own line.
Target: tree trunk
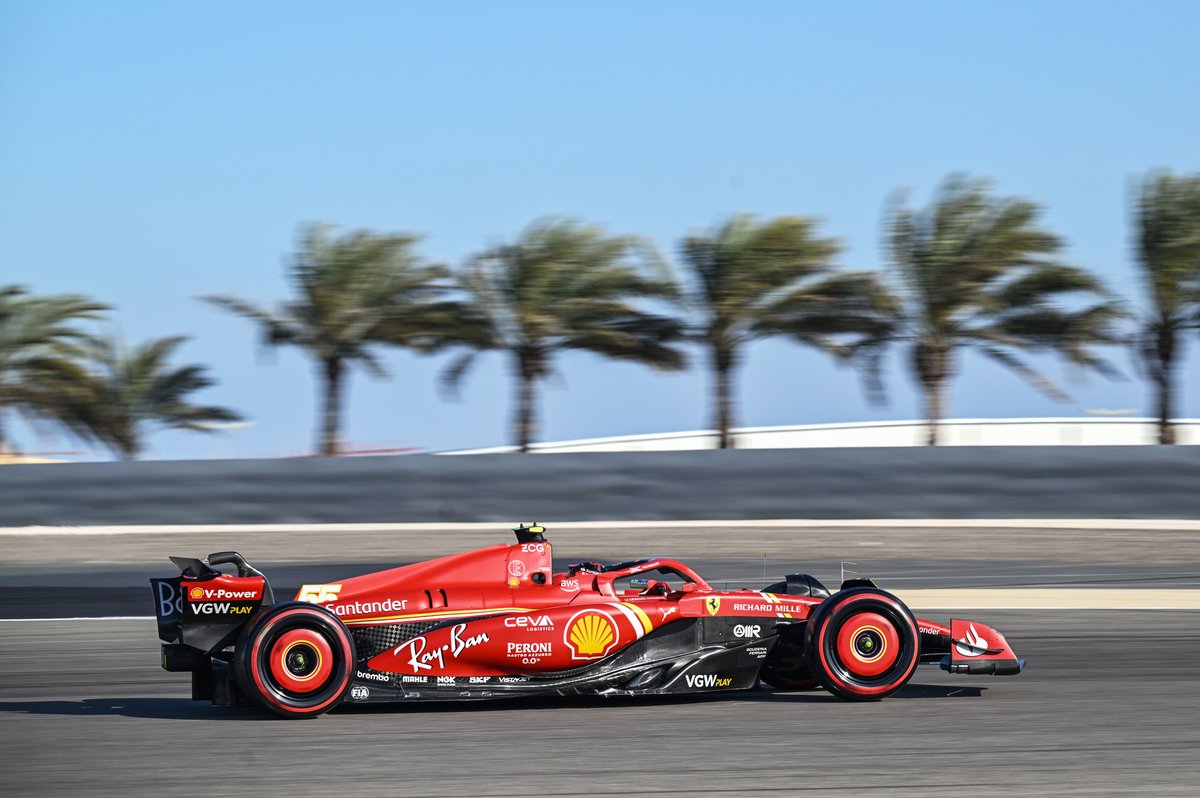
point(722, 363)
point(1164, 377)
point(330, 443)
point(523, 420)
point(934, 404)
point(932, 364)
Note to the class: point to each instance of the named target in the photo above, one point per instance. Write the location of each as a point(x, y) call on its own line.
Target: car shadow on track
point(937, 691)
point(186, 709)
point(154, 708)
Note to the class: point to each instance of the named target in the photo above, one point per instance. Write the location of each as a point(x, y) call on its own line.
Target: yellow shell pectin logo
point(590, 635)
point(196, 593)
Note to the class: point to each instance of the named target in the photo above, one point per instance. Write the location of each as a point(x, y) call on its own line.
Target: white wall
point(956, 432)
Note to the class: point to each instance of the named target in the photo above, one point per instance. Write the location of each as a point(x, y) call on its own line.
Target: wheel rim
point(868, 644)
point(300, 661)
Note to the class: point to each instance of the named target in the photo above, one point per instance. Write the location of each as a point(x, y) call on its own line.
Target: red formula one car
point(498, 622)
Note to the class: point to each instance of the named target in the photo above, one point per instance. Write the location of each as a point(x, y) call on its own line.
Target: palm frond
point(130, 390)
point(41, 344)
point(452, 376)
point(979, 271)
point(1012, 362)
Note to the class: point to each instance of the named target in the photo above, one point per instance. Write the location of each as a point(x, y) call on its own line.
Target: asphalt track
point(1107, 706)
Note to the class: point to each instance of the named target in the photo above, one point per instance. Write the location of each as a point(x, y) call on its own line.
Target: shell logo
point(591, 634)
point(196, 593)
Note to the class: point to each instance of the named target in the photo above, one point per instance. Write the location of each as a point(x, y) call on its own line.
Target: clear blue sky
point(152, 152)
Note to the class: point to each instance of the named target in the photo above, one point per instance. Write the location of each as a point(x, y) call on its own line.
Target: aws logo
point(591, 634)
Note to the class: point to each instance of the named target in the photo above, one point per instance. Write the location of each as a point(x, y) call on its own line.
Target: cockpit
point(653, 576)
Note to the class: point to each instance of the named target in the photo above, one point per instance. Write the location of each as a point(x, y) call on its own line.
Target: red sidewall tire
point(296, 660)
point(863, 644)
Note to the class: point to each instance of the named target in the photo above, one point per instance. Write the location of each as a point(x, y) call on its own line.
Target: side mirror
point(688, 587)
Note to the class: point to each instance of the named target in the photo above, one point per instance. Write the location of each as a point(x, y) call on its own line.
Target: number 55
point(318, 594)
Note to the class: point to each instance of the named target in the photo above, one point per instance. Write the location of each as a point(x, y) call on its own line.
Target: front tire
point(862, 644)
point(296, 660)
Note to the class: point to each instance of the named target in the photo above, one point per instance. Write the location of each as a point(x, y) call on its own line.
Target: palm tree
point(39, 343)
point(1168, 229)
point(564, 286)
point(978, 272)
point(130, 391)
point(353, 291)
point(754, 280)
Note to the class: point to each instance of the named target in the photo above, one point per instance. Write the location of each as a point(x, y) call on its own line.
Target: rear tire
point(862, 644)
point(295, 660)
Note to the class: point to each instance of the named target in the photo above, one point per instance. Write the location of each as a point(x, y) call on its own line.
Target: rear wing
point(201, 611)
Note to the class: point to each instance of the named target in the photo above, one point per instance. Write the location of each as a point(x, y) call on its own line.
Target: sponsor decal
point(757, 651)
point(530, 623)
point(510, 680)
point(569, 585)
point(359, 693)
point(318, 594)
point(372, 676)
point(223, 594)
point(535, 548)
point(420, 660)
point(972, 645)
point(222, 608)
point(170, 602)
point(513, 581)
point(666, 611)
point(712, 604)
point(646, 566)
point(707, 680)
point(369, 607)
point(747, 630)
point(516, 568)
point(446, 681)
point(591, 634)
point(928, 630)
point(413, 679)
point(530, 653)
point(756, 608)
point(479, 680)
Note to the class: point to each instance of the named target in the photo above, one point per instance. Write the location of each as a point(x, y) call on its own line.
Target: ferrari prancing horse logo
point(712, 604)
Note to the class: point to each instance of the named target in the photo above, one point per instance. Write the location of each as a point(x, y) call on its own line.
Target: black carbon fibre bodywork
point(688, 656)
